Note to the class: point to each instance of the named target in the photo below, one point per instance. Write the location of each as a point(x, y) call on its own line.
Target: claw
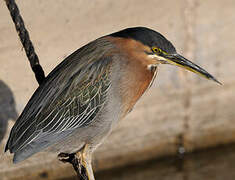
point(62, 155)
point(66, 157)
point(81, 163)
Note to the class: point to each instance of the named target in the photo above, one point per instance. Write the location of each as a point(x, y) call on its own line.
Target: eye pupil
point(156, 50)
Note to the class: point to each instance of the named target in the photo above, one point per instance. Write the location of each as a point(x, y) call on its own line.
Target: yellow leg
point(85, 159)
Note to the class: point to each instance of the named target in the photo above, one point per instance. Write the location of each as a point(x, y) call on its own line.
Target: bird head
point(161, 50)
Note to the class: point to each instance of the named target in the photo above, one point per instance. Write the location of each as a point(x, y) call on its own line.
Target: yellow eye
point(157, 50)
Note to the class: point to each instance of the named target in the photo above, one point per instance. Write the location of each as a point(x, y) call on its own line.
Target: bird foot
point(76, 162)
point(66, 157)
point(83, 172)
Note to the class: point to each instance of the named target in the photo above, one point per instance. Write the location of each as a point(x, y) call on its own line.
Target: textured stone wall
point(180, 110)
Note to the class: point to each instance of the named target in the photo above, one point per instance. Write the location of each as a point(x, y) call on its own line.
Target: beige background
point(180, 108)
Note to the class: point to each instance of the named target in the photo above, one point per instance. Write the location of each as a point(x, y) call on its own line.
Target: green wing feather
point(70, 98)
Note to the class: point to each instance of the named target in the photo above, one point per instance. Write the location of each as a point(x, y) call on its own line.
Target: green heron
point(85, 96)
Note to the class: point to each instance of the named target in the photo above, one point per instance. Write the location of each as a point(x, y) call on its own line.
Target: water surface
point(211, 164)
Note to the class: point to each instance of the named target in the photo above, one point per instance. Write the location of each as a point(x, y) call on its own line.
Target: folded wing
point(70, 98)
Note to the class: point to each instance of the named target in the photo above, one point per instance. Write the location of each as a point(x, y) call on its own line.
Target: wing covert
point(71, 102)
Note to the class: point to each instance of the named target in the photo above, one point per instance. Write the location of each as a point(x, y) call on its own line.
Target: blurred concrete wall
point(180, 110)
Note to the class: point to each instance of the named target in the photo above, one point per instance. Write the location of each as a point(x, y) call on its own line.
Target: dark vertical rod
point(25, 40)
point(36, 67)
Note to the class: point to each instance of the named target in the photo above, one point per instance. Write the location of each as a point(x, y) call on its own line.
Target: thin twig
point(25, 40)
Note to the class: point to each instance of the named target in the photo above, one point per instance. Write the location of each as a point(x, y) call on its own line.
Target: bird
point(87, 94)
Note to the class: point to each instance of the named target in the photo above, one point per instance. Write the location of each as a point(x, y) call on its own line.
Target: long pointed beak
point(180, 61)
